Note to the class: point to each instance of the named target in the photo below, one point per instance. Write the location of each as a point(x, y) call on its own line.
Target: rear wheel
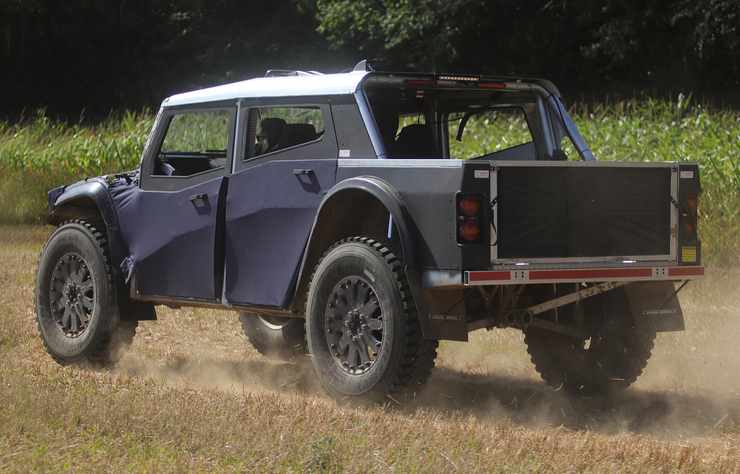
point(361, 324)
point(610, 360)
point(76, 309)
point(276, 338)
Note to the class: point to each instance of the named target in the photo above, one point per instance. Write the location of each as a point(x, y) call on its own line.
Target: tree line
point(101, 55)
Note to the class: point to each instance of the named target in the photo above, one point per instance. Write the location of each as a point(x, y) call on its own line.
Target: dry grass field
point(192, 395)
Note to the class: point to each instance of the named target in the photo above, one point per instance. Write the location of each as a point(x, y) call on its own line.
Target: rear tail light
point(688, 235)
point(689, 189)
point(469, 230)
point(689, 217)
point(692, 203)
point(469, 218)
point(469, 206)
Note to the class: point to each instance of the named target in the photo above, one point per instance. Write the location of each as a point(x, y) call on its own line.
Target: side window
point(195, 142)
point(277, 128)
point(479, 133)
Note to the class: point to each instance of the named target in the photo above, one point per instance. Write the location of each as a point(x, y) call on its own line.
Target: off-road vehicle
point(362, 217)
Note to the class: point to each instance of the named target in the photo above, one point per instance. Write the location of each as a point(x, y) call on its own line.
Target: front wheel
point(361, 323)
point(76, 310)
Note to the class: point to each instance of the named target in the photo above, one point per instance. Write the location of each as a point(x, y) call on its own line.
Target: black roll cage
point(548, 120)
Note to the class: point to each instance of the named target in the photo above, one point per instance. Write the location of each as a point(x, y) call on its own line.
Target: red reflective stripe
point(419, 83)
point(585, 274)
point(486, 276)
point(686, 271)
point(492, 85)
point(597, 273)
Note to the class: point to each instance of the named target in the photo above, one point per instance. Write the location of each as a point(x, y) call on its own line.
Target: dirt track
point(191, 394)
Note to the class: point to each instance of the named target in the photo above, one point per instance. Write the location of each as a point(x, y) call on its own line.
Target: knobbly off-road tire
point(275, 338)
point(615, 358)
point(76, 310)
point(359, 289)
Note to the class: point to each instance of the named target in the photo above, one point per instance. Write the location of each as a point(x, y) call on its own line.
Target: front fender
point(89, 199)
point(80, 194)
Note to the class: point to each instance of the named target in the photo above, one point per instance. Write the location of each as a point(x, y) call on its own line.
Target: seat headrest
point(297, 133)
point(416, 140)
point(272, 128)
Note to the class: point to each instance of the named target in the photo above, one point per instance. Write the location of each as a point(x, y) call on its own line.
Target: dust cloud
point(690, 388)
point(205, 349)
point(252, 375)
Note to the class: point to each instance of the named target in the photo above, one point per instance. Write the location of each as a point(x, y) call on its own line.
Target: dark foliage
point(100, 55)
point(588, 47)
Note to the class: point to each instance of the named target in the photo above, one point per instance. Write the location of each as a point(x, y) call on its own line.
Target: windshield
point(415, 119)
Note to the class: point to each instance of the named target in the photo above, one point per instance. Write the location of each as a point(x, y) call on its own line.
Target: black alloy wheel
point(354, 325)
point(72, 295)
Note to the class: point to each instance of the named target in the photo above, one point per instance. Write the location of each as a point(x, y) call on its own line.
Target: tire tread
point(119, 334)
point(419, 354)
point(539, 348)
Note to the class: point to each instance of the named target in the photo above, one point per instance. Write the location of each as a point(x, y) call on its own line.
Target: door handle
point(302, 171)
point(199, 199)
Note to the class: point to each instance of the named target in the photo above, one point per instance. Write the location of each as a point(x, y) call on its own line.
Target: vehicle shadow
point(528, 401)
point(486, 397)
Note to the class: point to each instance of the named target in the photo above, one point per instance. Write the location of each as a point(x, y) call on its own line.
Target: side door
point(176, 241)
point(287, 161)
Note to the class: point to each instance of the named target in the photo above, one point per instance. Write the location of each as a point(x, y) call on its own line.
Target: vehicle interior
point(280, 127)
point(420, 119)
point(195, 142)
point(189, 163)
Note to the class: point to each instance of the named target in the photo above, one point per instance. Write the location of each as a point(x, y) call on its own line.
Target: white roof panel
point(281, 86)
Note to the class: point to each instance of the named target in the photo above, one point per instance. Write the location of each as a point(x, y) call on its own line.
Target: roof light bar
point(459, 78)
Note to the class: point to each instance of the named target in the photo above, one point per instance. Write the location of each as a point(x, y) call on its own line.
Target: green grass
point(40, 153)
